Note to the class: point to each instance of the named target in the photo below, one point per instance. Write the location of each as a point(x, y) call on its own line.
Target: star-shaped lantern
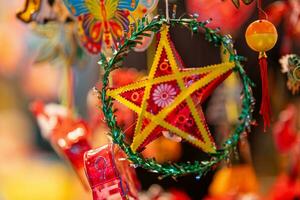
point(170, 98)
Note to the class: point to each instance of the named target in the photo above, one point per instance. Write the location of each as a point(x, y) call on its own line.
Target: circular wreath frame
point(199, 168)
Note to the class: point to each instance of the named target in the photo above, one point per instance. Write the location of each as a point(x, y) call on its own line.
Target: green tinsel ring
point(198, 168)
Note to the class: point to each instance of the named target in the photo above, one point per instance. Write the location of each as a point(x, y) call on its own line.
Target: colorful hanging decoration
point(42, 11)
point(261, 36)
point(110, 174)
point(290, 64)
point(219, 12)
point(53, 23)
point(104, 23)
point(31, 7)
point(166, 100)
point(170, 95)
point(68, 136)
point(286, 13)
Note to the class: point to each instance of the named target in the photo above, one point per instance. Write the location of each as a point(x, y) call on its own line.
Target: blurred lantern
point(223, 13)
point(285, 188)
point(287, 13)
point(68, 136)
point(285, 133)
point(231, 181)
point(163, 150)
point(110, 174)
point(261, 36)
point(43, 11)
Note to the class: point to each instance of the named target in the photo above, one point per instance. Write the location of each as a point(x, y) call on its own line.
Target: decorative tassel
point(265, 108)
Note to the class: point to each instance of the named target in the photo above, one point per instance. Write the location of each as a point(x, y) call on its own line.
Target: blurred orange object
point(239, 179)
point(261, 35)
point(163, 150)
point(11, 55)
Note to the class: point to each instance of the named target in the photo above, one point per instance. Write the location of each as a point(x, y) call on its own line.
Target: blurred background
point(29, 167)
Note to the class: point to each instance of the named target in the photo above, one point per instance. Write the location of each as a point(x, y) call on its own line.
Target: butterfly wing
point(76, 7)
point(128, 4)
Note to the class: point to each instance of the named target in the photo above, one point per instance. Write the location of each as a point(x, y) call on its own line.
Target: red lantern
point(68, 136)
point(261, 36)
point(285, 133)
point(223, 13)
point(109, 174)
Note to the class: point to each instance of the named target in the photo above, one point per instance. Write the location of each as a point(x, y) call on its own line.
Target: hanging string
point(261, 13)
point(70, 88)
point(67, 96)
point(167, 11)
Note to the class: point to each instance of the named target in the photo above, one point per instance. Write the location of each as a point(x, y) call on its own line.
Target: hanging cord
point(167, 11)
point(261, 12)
point(265, 108)
point(68, 93)
point(70, 87)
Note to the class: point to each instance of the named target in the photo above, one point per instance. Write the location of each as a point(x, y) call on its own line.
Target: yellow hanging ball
point(261, 35)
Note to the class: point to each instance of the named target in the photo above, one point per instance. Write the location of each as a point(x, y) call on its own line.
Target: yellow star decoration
point(149, 122)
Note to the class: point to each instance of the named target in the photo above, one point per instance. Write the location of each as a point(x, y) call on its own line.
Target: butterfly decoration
point(103, 23)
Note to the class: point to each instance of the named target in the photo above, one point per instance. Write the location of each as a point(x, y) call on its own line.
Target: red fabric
point(265, 108)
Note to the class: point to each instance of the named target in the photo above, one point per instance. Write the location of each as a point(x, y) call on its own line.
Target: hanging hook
point(261, 11)
point(167, 11)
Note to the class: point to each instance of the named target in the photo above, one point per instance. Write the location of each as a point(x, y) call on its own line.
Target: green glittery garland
point(198, 168)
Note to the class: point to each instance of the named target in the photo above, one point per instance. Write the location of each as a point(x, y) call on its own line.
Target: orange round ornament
point(261, 35)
